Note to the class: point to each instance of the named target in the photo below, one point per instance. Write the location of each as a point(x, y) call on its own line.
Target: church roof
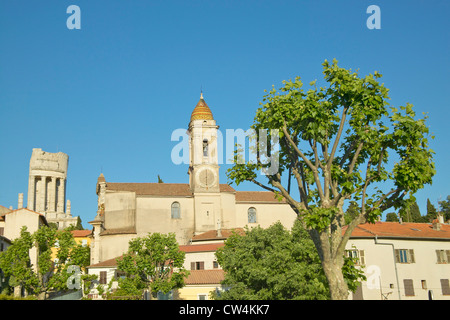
point(201, 111)
point(184, 190)
point(258, 196)
point(158, 189)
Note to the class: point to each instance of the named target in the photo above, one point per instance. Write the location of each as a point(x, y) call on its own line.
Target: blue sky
point(111, 94)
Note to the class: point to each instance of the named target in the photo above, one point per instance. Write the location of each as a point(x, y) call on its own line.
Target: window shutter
point(448, 256)
point(362, 259)
point(102, 277)
point(438, 256)
point(397, 255)
point(409, 287)
point(445, 287)
point(202, 265)
point(192, 265)
point(411, 256)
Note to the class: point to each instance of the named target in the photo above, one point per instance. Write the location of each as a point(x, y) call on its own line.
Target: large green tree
point(337, 141)
point(155, 261)
point(46, 275)
point(16, 265)
point(272, 264)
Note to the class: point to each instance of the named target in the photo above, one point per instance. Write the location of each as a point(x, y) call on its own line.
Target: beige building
point(11, 223)
point(128, 210)
point(402, 261)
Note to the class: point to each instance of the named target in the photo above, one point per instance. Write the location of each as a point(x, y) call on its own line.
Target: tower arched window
point(251, 215)
point(175, 211)
point(205, 148)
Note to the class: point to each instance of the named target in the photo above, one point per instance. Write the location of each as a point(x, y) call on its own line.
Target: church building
point(201, 206)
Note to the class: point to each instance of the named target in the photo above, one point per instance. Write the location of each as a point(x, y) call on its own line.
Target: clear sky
point(111, 93)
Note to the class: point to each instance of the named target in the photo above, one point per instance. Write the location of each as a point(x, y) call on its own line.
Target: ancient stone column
point(61, 194)
point(31, 193)
point(52, 195)
point(43, 194)
point(68, 207)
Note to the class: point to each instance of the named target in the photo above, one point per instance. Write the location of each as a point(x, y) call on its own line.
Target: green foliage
point(77, 226)
point(353, 211)
point(16, 264)
point(353, 275)
point(156, 261)
point(128, 287)
point(445, 208)
point(391, 217)
point(431, 211)
point(271, 263)
point(411, 213)
point(342, 143)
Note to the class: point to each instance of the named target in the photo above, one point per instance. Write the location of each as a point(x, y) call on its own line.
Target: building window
point(356, 254)
point(215, 265)
point(409, 287)
point(424, 284)
point(198, 265)
point(251, 215)
point(202, 297)
point(205, 148)
point(443, 256)
point(175, 214)
point(84, 242)
point(404, 256)
point(103, 277)
point(445, 287)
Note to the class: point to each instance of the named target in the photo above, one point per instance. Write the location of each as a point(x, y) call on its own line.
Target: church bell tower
point(203, 164)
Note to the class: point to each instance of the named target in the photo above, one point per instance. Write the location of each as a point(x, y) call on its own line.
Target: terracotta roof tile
point(212, 234)
point(81, 233)
point(205, 277)
point(201, 247)
point(105, 264)
point(158, 189)
point(404, 230)
point(257, 196)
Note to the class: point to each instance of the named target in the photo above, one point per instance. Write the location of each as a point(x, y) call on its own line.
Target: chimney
point(440, 217)
point(436, 224)
point(20, 204)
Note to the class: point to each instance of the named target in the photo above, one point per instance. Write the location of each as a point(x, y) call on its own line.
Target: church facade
point(201, 206)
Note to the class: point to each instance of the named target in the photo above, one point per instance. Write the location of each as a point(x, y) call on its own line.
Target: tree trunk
point(336, 281)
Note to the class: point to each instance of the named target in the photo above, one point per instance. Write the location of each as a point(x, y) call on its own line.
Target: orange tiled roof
point(81, 233)
point(257, 196)
point(403, 230)
point(104, 264)
point(212, 234)
point(159, 189)
point(205, 276)
point(201, 247)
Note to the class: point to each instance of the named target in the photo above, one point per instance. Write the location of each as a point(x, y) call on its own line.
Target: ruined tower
point(47, 186)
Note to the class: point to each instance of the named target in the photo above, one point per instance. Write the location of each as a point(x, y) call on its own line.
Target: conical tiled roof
point(201, 111)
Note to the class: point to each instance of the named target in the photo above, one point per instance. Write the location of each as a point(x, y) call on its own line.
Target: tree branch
point(338, 137)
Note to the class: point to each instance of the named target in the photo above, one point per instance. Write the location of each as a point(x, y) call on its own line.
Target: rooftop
point(408, 230)
point(201, 111)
